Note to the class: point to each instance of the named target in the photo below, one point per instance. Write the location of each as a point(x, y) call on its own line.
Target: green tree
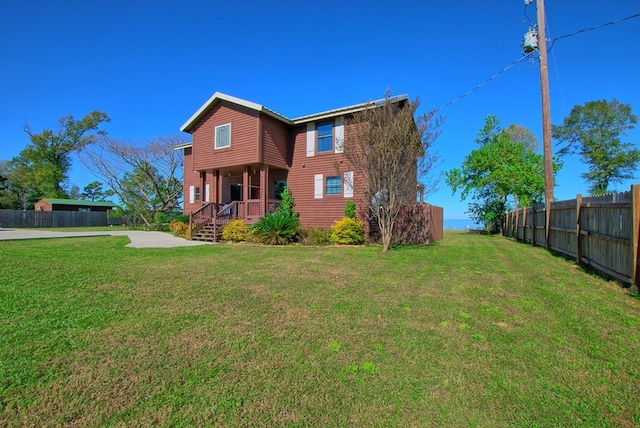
point(46, 160)
point(594, 132)
point(14, 191)
point(93, 192)
point(498, 175)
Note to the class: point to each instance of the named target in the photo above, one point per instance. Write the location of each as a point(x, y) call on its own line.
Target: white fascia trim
point(182, 146)
point(349, 109)
point(234, 100)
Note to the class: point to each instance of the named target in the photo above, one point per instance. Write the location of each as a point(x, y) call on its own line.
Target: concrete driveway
point(138, 238)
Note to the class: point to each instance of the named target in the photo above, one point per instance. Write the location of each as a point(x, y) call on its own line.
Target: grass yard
point(472, 331)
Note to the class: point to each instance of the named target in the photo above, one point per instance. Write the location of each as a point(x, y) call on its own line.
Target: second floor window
point(325, 137)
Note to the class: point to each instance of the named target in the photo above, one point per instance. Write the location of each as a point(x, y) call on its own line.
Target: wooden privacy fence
point(599, 231)
point(419, 224)
point(18, 218)
point(416, 224)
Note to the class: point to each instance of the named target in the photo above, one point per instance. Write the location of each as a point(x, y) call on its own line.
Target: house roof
point(183, 146)
point(187, 126)
point(80, 202)
point(220, 96)
point(348, 109)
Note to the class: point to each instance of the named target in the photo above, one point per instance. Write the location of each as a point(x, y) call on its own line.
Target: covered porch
point(244, 192)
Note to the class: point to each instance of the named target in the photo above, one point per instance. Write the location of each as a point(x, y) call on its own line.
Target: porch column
point(217, 185)
point(201, 186)
point(246, 184)
point(203, 182)
point(264, 187)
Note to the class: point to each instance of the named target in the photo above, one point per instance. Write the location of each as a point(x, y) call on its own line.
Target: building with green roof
point(50, 204)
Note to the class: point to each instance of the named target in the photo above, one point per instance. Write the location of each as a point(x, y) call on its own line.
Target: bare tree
point(391, 148)
point(143, 177)
point(522, 135)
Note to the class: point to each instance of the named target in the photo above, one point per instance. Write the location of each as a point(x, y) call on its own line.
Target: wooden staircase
point(208, 233)
point(207, 223)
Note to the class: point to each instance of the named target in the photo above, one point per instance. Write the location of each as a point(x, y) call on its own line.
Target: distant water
point(461, 224)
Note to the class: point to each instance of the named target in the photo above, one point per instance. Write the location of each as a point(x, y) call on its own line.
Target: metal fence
point(18, 218)
point(599, 231)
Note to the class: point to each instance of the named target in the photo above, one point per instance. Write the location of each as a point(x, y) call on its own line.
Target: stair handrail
point(202, 217)
point(229, 210)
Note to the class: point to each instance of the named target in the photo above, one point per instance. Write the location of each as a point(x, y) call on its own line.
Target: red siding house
point(242, 154)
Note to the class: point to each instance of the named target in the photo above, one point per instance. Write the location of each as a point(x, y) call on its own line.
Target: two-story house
point(242, 155)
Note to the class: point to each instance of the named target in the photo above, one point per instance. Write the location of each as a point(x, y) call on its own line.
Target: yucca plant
point(278, 228)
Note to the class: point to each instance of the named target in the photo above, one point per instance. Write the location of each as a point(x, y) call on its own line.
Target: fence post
point(547, 223)
point(578, 229)
point(505, 224)
point(505, 229)
point(524, 225)
point(517, 224)
point(635, 210)
point(511, 224)
point(533, 225)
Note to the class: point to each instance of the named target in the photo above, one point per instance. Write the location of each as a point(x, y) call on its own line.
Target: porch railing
point(251, 209)
point(198, 219)
point(219, 215)
point(225, 214)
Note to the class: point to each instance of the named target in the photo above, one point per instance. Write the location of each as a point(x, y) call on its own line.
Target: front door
point(236, 193)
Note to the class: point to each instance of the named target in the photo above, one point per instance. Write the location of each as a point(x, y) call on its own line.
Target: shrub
point(180, 229)
point(317, 236)
point(347, 231)
point(278, 228)
point(350, 210)
point(287, 205)
point(182, 218)
point(236, 231)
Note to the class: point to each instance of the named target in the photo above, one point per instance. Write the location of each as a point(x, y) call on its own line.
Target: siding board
point(244, 146)
point(274, 142)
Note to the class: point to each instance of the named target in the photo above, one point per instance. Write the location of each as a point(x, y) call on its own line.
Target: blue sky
point(150, 64)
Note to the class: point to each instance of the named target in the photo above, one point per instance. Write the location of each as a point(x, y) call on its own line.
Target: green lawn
point(472, 331)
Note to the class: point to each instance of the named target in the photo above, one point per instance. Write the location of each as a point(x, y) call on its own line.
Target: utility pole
point(546, 117)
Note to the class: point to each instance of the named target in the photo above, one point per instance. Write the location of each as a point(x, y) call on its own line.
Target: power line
point(584, 30)
point(555, 64)
point(483, 83)
point(494, 11)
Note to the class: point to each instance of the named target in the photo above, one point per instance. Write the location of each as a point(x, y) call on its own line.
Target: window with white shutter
point(339, 131)
point(348, 184)
point(311, 139)
point(318, 185)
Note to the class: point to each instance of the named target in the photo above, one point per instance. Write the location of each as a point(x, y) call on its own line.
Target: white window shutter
point(206, 193)
point(192, 194)
point(348, 184)
point(311, 139)
point(339, 135)
point(317, 189)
